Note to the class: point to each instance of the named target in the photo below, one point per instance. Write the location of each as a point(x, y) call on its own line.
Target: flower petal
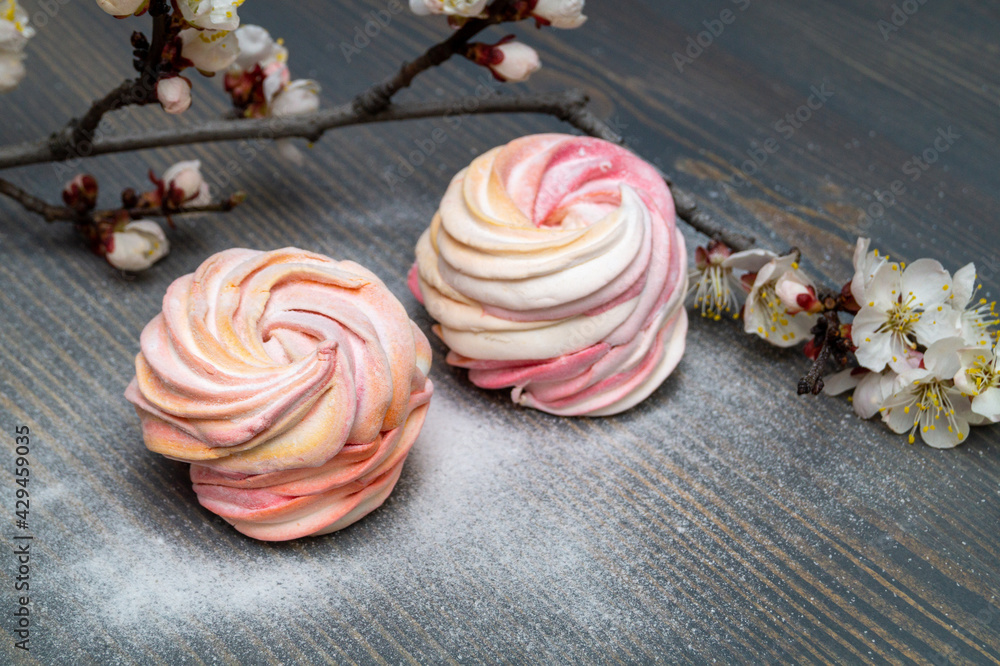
point(927, 281)
point(872, 393)
point(938, 323)
point(939, 437)
point(874, 346)
point(895, 414)
point(988, 404)
point(749, 260)
point(883, 291)
point(964, 285)
point(942, 358)
point(845, 380)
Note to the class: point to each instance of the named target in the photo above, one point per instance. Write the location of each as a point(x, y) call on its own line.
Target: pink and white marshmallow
point(554, 267)
point(294, 384)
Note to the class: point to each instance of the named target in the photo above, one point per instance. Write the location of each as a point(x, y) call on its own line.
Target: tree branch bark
point(310, 127)
point(35, 205)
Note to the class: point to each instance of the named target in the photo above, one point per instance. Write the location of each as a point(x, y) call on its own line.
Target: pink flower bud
point(184, 184)
point(796, 294)
point(513, 61)
point(564, 14)
point(174, 94)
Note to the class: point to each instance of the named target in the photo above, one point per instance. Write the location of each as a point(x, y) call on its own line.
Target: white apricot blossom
point(929, 402)
point(258, 48)
point(866, 264)
point(713, 279)
point(904, 307)
point(766, 316)
point(297, 98)
point(979, 377)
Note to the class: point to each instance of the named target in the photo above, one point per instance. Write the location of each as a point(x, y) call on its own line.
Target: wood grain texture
point(724, 519)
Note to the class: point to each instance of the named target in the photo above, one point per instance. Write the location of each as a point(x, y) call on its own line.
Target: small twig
point(32, 203)
point(378, 97)
point(137, 213)
point(687, 210)
point(812, 382)
point(685, 203)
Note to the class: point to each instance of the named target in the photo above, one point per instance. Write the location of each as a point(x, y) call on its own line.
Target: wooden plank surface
point(724, 520)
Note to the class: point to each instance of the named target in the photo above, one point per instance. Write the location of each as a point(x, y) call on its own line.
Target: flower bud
point(508, 60)
point(183, 183)
point(174, 94)
point(466, 8)
point(209, 50)
point(122, 8)
point(564, 14)
point(796, 294)
point(138, 246)
point(80, 194)
point(298, 98)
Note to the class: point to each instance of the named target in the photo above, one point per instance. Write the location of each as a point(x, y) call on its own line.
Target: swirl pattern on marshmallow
point(554, 266)
point(294, 384)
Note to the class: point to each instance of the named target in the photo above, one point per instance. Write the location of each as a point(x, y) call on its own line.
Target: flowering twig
point(379, 96)
point(372, 105)
point(130, 91)
point(53, 213)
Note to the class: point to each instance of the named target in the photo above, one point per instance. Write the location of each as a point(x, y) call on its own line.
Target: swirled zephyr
point(294, 384)
point(554, 266)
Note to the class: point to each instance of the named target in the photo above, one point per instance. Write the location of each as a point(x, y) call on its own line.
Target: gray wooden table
point(724, 520)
